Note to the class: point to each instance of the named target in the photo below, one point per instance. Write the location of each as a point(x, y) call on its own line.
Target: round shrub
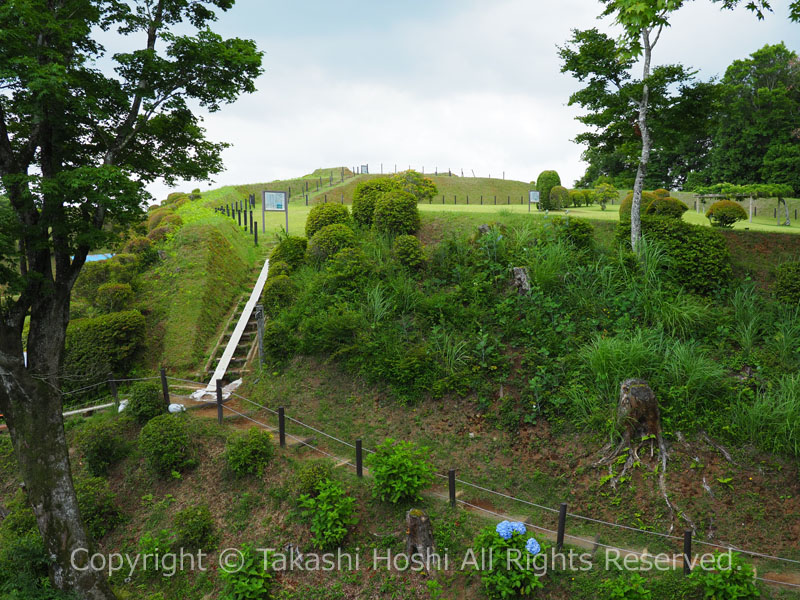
point(724, 213)
point(323, 215)
point(559, 197)
point(113, 297)
point(102, 446)
point(365, 196)
point(155, 217)
point(279, 292)
point(666, 206)
point(661, 193)
point(787, 283)
point(312, 473)
point(138, 245)
point(92, 276)
point(627, 203)
point(278, 267)
point(400, 471)
point(280, 341)
point(96, 505)
point(546, 181)
point(195, 528)
point(417, 184)
point(165, 444)
point(173, 197)
point(408, 251)
point(146, 401)
point(174, 221)
point(348, 268)
point(291, 250)
point(159, 234)
point(396, 213)
point(579, 232)
point(575, 197)
point(248, 454)
point(328, 241)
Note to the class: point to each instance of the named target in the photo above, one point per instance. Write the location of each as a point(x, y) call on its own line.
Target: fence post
point(239, 217)
point(282, 426)
point(562, 524)
point(451, 480)
point(687, 551)
point(342, 197)
point(260, 333)
point(774, 213)
point(359, 459)
point(326, 198)
point(219, 401)
point(255, 233)
point(442, 198)
point(251, 222)
point(495, 199)
point(455, 199)
point(112, 385)
point(164, 386)
point(481, 199)
point(467, 199)
point(306, 199)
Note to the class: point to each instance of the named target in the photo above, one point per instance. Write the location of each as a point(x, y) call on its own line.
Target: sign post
point(533, 198)
point(275, 201)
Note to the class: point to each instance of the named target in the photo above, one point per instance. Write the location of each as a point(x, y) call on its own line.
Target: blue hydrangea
point(533, 546)
point(508, 528)
point(518, 527)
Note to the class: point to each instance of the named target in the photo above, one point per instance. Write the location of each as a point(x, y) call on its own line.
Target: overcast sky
point(458, 84)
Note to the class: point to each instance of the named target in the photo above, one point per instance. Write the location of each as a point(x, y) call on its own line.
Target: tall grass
point(451, 350)
point(689, 367)
point(748, 324)
point(678, 313)
point(550, 264)
point(772, 420)
point(784, 337)
point(377, 304)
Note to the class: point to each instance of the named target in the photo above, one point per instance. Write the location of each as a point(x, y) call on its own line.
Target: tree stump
point(637, 411)
point(521, 282)
point(419, 533)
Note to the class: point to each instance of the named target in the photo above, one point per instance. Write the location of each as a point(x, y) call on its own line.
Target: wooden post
point(112, 385)
point(451, 480)
point(219, 401)
point(687, 552)
point(251, 222)
point(255, 233)
point(164, 386)
point(282, 426)
point(359, 459)
point(562, 523)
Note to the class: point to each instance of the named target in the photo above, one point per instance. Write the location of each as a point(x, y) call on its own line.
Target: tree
point(77, 146)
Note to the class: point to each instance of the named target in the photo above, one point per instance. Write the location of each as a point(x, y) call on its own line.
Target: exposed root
point(717, 447)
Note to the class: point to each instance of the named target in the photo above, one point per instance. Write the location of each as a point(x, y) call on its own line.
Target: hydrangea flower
point(518, 527)
point(506, 529)
point(533, 546)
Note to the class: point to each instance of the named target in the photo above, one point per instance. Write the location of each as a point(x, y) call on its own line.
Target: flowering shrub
point(510, 572)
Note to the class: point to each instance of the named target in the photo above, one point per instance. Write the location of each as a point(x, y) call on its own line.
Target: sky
point(437, 84)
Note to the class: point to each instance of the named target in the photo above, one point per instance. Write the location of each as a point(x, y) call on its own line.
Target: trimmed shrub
point(97, 346)
point(92, 276)
point(546, 181)
point(396, 213)
point(787, 283)
point(666, 206)
point(348, 268)
point(123, 268)
point(559, 197)
point(291, 250)
point(138, 245)
point(96, 505)
point(323, 215)
point(578, 232)
point(279, 292)
point(661, 193)
point(278, 267)
point(330, 512)
point(280, 341)
point(146, 401)
point(174, 221)
point(365, 196)
point(417, 184)
point(408, 251)
point(195, 528)
point(113, 297)
point(700, 259)
point(155, 217)
point(724, 213)
point(400, 471)
point(627, 203)
point(249, 453)
point(174, 197)
point(159, 234)
point(575, 197)
point(328, 241)
point(165, 444)
point(102, 446)
point(312, 473)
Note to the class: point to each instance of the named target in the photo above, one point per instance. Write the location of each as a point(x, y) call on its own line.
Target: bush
point(605, 193)
point(172, 221)
point(101, 445)
point(348, 269)
point(159, 234)
point(400, 471)
point(627, 203)
point(511, 573)
point(166, 445)
point(323, 215)
point(195, 528)
point(332, 330)
point(731, 579)
point(312, 473)
point(787, 283)
point(396, 213)
point(291, 250)
point(546, 181)
point(96, 505)
point(559, 197)
point(146, 401)
point(92, 276)
point(330, 512)
point(578, 232)
point(280, 341)
point(724, 213)
point(630, 586)
point(97, 346)
point(661, 193)
point(700, 258)
point(113, 297)
point(408, 251)
point(365, 196)
point(328, 241)
point(249, 453)
point(155, 218)
point(666, 206)
point(278, 267)
point(138, 245)
point(249, 580)
point(279, 292)
point(417, 184)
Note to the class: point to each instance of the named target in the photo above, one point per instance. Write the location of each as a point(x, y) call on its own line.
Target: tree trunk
point(786, 221)
point(751, 209)
point(31, 402)
point(641, 171)
point(419, 534)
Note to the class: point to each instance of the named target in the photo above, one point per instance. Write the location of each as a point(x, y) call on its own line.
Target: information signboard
point(534, 196)
point(274, 201)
